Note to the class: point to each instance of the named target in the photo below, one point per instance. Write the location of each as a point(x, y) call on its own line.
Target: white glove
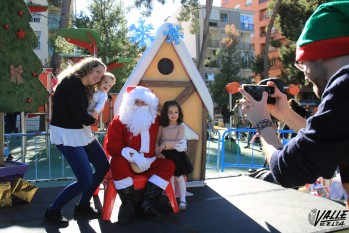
point(182, 146)
point(126, 153)
point(141, 161)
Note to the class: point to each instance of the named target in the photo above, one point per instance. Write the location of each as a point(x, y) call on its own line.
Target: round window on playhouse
point(165, 66)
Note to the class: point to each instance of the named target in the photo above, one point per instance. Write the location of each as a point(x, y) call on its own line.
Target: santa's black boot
point(148, 201)
point(127, 208)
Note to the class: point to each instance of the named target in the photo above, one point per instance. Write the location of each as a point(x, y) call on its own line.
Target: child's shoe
point(182, 205)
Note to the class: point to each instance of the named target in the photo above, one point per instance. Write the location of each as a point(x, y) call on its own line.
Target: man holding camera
point(319, 148)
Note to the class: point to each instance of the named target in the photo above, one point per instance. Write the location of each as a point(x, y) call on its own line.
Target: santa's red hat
point(134, 93)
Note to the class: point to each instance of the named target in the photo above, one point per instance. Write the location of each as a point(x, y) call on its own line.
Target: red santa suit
point(120, 137)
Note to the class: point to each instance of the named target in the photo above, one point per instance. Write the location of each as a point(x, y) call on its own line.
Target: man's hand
point(182, 146)
point(141, 161)
point(127, 153)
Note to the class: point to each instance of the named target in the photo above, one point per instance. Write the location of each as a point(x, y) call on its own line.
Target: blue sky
point(160, 12)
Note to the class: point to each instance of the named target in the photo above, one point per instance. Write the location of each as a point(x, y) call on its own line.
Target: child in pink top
point(172, 144)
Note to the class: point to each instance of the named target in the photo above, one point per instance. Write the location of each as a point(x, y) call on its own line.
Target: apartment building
point(219, 18)
point(39, 24)
point(45, 23)
point(261, 21)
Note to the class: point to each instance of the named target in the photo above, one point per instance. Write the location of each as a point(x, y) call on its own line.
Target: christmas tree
point(20, 89)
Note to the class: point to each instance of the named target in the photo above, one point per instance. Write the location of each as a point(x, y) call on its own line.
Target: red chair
point(139, 182)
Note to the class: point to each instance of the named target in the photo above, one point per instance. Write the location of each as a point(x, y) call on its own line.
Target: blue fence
point(231, 154)
point(45, 161)
point(47, 164)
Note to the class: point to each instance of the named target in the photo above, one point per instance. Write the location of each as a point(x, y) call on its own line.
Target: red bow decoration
point(16, 73)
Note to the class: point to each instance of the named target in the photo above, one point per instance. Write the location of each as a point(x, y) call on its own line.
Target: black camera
point(256, 91)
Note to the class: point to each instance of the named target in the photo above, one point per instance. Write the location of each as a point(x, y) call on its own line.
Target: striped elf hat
point(326, 33)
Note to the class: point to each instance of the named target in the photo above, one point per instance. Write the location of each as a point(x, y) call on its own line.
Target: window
point(264, 14)
point(261, 1)
point(36, 18)
point(212, 24)
point(246, 22)
point(53, 20)
point(263, 31)
point(224, 17)
point(38, 34)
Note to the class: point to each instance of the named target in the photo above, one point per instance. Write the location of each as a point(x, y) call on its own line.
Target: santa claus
point(132, 140)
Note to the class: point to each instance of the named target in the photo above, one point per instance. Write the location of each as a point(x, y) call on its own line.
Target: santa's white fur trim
point(141, 93)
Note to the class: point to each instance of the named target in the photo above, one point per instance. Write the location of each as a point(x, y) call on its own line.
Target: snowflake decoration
point(141, 33)
point(173, 34)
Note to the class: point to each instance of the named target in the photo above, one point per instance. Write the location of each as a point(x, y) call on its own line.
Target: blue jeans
point(79, 159)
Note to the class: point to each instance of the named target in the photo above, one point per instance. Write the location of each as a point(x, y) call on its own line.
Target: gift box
point(23, 189)
point(5, 194)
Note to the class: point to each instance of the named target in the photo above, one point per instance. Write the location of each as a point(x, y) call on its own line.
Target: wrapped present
point(23, 189)
point(5, 194)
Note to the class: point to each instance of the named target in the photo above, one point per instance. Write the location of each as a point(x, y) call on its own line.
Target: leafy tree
point(20, 89)
point(63, 23)
point(268, 36)
point(258, 65)
point(291, 18)
point(189, 11)
point(109, 19)
point(230, 65)
point(290, 74)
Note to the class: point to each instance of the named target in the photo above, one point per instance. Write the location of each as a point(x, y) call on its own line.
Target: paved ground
point(225, 205)
point(227, 201)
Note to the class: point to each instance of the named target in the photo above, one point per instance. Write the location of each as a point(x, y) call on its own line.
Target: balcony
point(245, 46)
point(247, 26)
point(264, 16)
point(212, 64)
point(213, 43)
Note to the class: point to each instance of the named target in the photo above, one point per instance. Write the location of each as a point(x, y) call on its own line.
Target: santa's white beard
point(137, 119)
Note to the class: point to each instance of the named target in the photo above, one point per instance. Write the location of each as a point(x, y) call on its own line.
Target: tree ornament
point(16, 74)
point(34, 73)
point(21, 34)
point(29, 100)
point(20, 13)
point(6, 26)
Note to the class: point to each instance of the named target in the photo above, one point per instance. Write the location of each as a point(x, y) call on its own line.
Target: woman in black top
point(79, 147)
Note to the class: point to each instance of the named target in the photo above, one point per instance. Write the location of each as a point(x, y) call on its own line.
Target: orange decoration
point(232, 87)
point(293, 89)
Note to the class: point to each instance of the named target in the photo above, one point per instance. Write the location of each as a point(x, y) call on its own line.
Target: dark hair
point(164, 121)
